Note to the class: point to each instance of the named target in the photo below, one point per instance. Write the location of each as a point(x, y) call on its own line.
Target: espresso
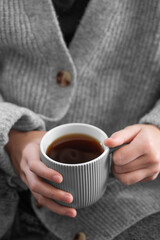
point(74, 149)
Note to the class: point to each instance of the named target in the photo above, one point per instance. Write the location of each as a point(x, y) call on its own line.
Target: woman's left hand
point(139, 160)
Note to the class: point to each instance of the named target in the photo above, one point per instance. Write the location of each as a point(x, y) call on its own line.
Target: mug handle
point(111, 151)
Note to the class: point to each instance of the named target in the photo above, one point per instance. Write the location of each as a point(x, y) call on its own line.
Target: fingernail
point(57, 178)
point(71, 213)
point(108, 141)
point(68, 198)
point(105, 141)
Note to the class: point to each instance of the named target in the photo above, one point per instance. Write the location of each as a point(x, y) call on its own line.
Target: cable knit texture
point(114, 60)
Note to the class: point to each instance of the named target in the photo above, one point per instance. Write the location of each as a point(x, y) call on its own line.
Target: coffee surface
point(74, 149)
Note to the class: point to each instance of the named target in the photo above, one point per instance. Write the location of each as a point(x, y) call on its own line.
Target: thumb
point(125, 135)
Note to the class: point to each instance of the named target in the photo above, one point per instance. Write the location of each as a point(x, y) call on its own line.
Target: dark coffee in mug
point(74, 149)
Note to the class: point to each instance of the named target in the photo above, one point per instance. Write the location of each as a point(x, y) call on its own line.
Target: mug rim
point(106, 149)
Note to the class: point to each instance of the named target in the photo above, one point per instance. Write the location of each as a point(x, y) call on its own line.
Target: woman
point(78, 61)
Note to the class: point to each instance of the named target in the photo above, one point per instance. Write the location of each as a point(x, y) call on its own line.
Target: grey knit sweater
point(114, 61)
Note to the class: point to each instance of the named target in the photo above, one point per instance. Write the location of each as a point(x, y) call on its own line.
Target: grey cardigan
point(114, 61)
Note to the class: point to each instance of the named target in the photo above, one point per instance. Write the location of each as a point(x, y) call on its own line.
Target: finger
point(36, 184)
point(128, 153)
point(151, 178)
point(54, 207)
point(136, 176)
point(125, 135)
point(134, 165)
point(23, 178)
point(36, 198)
point(40, 169)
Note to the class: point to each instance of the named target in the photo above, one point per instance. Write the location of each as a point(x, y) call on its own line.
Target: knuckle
point(33, 186)
point(22, 167)
point(52, 194)
point(37, 203)
point(125, 180)
point(156, 158)
point(117, 158)
point(41, 200)
point(128, 180)
point(148, 145)
point(31, 165)
point(152, 178)
point(156, 169)
point(25, 151)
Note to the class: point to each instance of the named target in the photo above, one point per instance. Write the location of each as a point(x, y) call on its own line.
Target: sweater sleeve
point(153, 116)
point(13, 116)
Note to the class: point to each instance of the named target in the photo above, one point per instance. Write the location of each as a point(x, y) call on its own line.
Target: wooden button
point(64, 78)
point(80, 236)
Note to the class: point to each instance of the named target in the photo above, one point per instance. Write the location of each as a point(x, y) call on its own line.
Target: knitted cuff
point(12, 116)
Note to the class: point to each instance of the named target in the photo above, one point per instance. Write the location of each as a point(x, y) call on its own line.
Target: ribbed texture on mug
point(86, 183)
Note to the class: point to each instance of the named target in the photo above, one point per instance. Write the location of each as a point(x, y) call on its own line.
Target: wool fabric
point(114, 61)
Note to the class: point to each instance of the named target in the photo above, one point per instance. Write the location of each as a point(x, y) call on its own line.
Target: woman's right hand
point(24, 151)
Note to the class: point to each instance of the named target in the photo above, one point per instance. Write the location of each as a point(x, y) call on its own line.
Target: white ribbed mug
point(87, 181)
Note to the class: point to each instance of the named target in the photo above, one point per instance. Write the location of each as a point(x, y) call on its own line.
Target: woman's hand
point(24, 151)
point(139, 160)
